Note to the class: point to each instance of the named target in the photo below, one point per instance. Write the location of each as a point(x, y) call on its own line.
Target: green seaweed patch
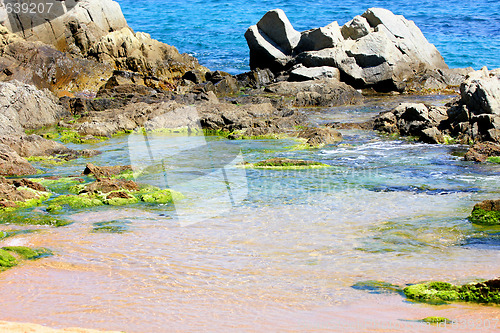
point(72, 136)
point(32, 218)
point(161, 197)
point(121, 133)
point(119, 198)
point(34, 202)
point(179, 131)
point(482, 292)
point(28, 253)
point(11, 233)
point(111, 227)
point(494, 159)
point(435, 320)
point(73, 201)
point(7, 260)
point(59, 185)
point(286, 164)
point(127, 175)
point(46, 160)
point(378, 287)
point(484, 217)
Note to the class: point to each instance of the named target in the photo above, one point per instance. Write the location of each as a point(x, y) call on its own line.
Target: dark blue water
point(466, 32)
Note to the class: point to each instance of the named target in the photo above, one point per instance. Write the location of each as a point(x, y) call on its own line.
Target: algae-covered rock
point(105, 171)
point(111, 227)
point(120, 198)
point(28, 253)
point(436, 320)
point(286, 163)
point(32, 218)
point(161, 197)
point(74, 201)
point(486, 213)
point(7, 260)
point(21, 193)
point(377, 287)
point(482, 292)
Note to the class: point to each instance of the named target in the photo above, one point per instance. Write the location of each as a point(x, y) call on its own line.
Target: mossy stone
point(482, 292)
point(28, 253)
point(484, 217)
point(494, 159)
point(436, 320)
point(377, 287)
point(7, 260)
point(161, 197)
point(31, 218)
point(73, 201)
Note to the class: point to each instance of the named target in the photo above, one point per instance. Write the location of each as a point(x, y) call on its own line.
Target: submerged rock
point(481, 151)
point(286, 163)
point(105, 171)
point(486, 213)
point(18, 193)
point(482, 292)
point(320, 136)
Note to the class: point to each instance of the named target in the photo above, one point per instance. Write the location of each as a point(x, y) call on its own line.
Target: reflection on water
point(284, 258)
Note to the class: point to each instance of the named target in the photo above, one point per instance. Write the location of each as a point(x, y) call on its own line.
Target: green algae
point(494, 159)
point(484, 217)
point(32, 218)
point(42, 196)
point(72, 136)
point(73, 201)
point(435, 320)
point(46, 160)
point(10, 255)
point(12, 233)
point(482, 292)
point(377, 287)
point(7, 260)
point(161, 197)
point(111, 227)
point(28, 253)
point(286, 164)
point(118, 201)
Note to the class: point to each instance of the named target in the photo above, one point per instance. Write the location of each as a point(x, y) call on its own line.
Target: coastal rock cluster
point(377, 49)
point(472, 117)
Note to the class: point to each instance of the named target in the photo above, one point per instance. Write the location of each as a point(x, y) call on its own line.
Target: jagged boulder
point(377, 49)
point(11, 164)
point(99, 40)
point(480, 92)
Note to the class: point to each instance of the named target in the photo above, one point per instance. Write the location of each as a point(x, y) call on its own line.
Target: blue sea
point(466, 32)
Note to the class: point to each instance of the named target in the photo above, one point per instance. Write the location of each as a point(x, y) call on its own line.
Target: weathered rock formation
point(475, 116)
point(377, 49)
point(23, 107)
point(84, 37)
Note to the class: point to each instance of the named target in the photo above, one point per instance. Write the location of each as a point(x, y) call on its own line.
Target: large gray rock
point(24, 107)
point(302, 73)
point(276, 26)
point(377, 49)
point(480, 92)
point(320, 38)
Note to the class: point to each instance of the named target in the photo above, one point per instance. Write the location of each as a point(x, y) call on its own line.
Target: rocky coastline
point(87, 77)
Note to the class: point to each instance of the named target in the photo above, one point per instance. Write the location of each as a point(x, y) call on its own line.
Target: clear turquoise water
point(467, 33)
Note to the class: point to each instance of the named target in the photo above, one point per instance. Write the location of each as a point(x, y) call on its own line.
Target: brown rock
point(316, 137)
point(480, 151)
point(106, 171)
point(11, 164)
point(106, 185)
point(489, 205)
